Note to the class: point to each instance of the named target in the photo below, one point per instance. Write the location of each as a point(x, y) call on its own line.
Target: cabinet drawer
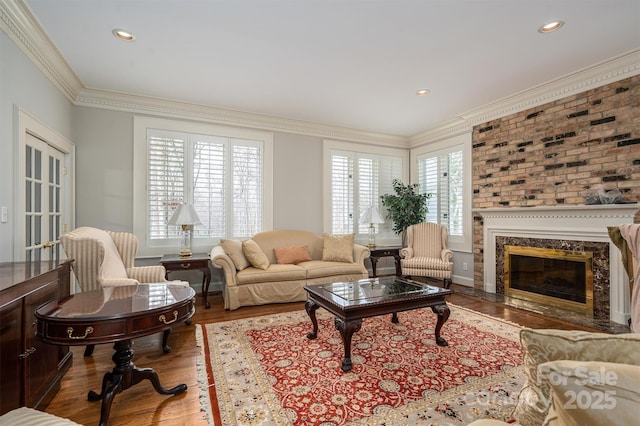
point(187, 264)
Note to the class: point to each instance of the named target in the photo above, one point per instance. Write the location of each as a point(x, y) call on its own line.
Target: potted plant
point(406, 207)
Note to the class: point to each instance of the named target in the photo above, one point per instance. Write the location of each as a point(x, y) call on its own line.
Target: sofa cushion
point(338, 248)
point(292, 255)
point(233, 249)
point(273, 273)
point(541, 346)
point(255, 255)
point(318, 268)
point(592, 393)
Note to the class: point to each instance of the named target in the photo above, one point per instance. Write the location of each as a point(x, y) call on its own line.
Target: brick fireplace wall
point(556, 153)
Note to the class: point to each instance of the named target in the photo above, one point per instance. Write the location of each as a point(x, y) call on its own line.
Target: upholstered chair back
point(427, 239)
point(105, 258)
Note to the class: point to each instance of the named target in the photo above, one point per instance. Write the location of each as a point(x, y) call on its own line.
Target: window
point(441, 170)
point(223, 172)
point(356, 178)
point(440, 174)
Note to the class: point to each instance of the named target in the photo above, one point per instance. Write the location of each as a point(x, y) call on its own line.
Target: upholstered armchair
point(106, 259)
point(426, 254)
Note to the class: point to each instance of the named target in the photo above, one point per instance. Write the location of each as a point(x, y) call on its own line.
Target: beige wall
point(552, 154)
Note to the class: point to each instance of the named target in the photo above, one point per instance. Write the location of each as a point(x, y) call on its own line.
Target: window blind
point(440, 174)
point(221, 176)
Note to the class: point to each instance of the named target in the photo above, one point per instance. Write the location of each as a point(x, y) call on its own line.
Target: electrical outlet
point(465, 266)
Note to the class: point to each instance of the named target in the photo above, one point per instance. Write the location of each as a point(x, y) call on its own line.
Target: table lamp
point(371, 215)
point(186, 217)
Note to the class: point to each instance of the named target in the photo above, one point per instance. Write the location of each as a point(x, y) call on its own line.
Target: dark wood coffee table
point(117, 315)
point(350, 302)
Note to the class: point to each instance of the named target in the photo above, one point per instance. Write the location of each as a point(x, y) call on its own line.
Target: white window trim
point(140, 214)
point(462, 243)
point(332, 145)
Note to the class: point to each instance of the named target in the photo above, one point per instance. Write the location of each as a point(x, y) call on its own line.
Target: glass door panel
point(43, 194)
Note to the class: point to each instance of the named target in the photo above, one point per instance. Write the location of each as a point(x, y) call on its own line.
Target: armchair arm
point(147, 274)
point(116, 282)
point(446, 255)
point(219, 259)
point(407, 252)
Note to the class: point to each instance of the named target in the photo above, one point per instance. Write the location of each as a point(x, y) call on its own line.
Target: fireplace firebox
point(556, 277)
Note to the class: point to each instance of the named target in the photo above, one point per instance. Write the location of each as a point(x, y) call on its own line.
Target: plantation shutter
point(357, 181)
point(440, 174)
point(165, 180)
point(341, 193)
point(247, 194)
point(222, 177)
point(209, 182)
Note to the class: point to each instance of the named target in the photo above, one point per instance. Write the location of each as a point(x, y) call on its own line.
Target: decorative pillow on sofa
point(338, 248)
point(592, 393)
point(233, 249)
point(292, 255)
point(255, 255)
point(541, 346)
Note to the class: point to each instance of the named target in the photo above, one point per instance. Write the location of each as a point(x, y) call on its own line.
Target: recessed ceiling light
point(123, 35)
point(551, 27)
point(423, 92)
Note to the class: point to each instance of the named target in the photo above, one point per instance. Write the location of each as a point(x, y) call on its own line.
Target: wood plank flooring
point(141, 405)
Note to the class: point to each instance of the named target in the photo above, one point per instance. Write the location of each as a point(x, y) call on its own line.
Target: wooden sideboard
point(31, 370)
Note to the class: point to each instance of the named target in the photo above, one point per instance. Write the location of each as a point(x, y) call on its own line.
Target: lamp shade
point(371, 215)
point(185, 214)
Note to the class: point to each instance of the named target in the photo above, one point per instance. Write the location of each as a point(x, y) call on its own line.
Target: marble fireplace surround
point(564, 223)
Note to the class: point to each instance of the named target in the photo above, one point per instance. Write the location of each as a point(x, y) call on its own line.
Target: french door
point(43, 199)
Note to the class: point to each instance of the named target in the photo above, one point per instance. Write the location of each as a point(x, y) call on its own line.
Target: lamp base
point(185, 253)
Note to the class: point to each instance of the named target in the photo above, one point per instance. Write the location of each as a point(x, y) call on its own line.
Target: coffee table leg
point(346, 329)
point(311, 307)
point(443, 314)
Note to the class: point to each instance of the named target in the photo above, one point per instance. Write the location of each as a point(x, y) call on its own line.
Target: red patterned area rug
point(264, 371)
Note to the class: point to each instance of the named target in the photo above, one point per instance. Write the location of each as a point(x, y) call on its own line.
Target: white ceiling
point(350, 63)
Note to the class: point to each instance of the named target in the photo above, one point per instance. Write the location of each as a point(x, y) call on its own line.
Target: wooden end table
point(380, 251)
point(117, 315)
point(197, 261)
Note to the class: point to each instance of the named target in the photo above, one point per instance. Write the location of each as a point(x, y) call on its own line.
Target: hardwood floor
point(141, 405)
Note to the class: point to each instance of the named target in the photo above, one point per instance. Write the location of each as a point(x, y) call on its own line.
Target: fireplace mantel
point(581, 223)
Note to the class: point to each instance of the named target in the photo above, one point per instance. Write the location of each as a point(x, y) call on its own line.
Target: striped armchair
point(426, 254)
point(106, 259)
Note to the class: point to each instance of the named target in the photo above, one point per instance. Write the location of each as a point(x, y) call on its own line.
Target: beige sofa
point(330, 259)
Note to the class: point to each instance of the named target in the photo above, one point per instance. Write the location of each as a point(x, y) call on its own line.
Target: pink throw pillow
point(292, 255)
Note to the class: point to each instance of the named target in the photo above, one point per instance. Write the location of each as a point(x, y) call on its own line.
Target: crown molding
point(189, 111)
point(606, 72)
point(24, 29)
point(17, 21)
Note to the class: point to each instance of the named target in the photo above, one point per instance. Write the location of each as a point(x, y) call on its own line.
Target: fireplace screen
point(557, 277)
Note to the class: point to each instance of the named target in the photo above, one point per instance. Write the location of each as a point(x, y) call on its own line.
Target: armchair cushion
point(592, 393)
point(542, 346)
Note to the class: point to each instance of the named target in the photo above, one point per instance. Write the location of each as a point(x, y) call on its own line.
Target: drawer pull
point(87, 331)
point(185, 265)
point(164, 319)
point(27, 353)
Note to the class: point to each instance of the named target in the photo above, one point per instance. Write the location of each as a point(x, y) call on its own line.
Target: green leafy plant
point(406, 207)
